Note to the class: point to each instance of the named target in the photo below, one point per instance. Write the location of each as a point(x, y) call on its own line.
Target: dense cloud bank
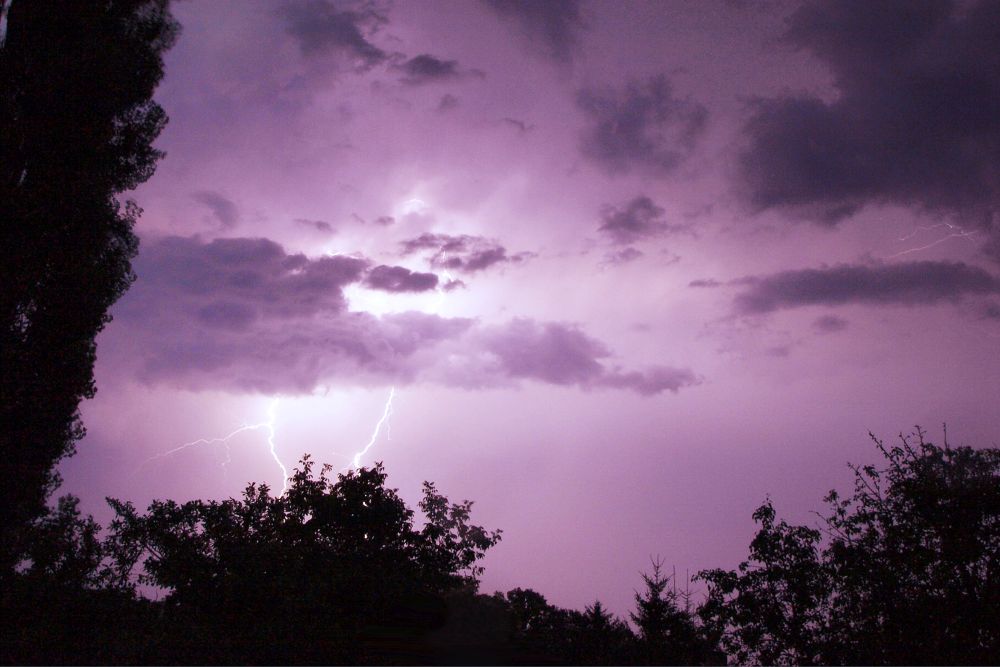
point(908, 284)
point(916, 121)
point(243, 315)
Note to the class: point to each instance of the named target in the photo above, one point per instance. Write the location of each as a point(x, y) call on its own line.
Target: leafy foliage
point(76, 83)
point(667, 633)
point(906, 573)
point(337, 564)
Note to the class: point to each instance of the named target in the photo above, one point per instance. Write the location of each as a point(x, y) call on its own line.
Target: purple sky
point(630, 267)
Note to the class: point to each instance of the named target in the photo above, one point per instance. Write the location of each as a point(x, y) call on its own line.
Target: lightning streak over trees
point(386, 413)
point(269, 425)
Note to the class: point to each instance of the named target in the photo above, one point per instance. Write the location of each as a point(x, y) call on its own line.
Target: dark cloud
point(561, 354)
point(447, 103)
point(642, 126)
point(916, 122)
point(913, 283)
point(223, 209)
point(227, 315)
point(243, 315)
point(385, 220)
point(623, 255)
point(521, 126)
point(399, 279)
point(462, 253)
point(554, 353)
point(317, 225)
point(256, 273)
point(830, 324)
point(639, 219)
point(321, 28)
point(652, 381)
point(425, 68)
point(552, 26)
point(704, 282)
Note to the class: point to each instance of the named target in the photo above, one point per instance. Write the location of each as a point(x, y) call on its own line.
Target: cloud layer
point(637, 220)
point(399, 279)
point(321, 28)
point(908, 284)
point(642, 126)
point(242, 315)
point(462, 253)
point(551, 27)
point(916, 121)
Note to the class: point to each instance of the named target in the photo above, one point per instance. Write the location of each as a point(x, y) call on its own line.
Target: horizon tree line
point(904, 569)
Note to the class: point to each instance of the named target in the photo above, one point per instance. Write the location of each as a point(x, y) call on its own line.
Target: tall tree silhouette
point(76, 129)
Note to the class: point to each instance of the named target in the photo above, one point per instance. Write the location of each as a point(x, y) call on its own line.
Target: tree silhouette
point(338, 571)
point(64, 549)
point(77, 125)
point(667, 633)
point(914, 554)
point(907, 572)
point(770, 610)
point(332, 571)
point(603, 638)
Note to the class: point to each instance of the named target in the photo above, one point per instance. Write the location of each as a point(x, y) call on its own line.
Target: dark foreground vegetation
point(903, 571)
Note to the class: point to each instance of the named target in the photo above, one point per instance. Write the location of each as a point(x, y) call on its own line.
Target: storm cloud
point(551, 27)
point(562, 354)
point(223, 209)
point(463, 253)
point(321, 28)
point(906, 284)
point(243, 315)
point(642, 126)
point(916, 121)
point(829, 324)
point(399, 279)
point(637, 220)
point(425, 68)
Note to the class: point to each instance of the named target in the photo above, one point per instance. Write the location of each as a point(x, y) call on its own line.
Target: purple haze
point(631, 267)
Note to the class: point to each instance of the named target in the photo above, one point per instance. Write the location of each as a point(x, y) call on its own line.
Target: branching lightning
point(386, 413)
point(955, 232)
point(268, 425)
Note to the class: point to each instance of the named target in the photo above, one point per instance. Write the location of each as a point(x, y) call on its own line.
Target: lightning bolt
point(956, 232)
point(386, 413)
point(271, 414)
point(268, 425)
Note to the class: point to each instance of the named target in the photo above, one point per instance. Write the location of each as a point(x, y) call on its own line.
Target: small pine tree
point(667, 633)
point(654, 607)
